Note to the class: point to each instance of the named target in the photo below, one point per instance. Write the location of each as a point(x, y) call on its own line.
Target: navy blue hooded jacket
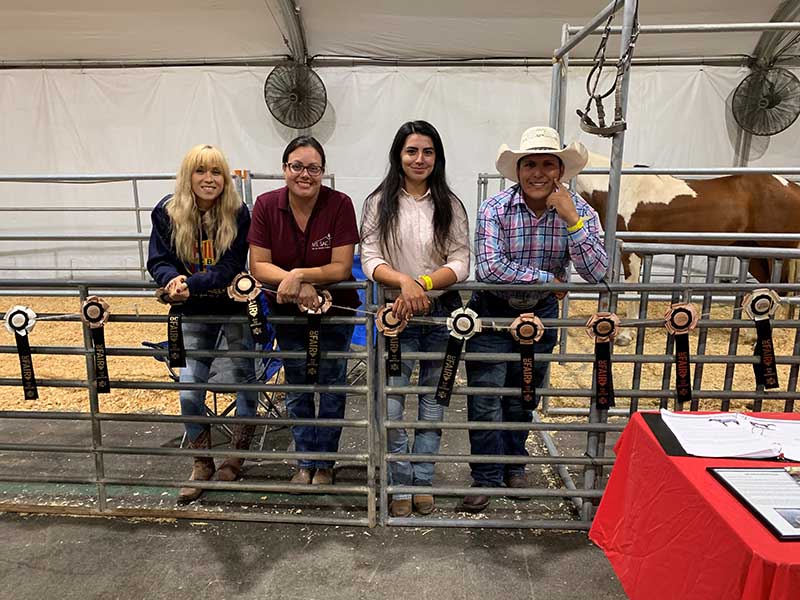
point(208, 285)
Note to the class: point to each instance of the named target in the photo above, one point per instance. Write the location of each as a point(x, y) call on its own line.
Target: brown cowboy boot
point(202, 470)
point(242, 436)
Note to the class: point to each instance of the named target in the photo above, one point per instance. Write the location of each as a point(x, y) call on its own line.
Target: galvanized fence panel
point(54, 488)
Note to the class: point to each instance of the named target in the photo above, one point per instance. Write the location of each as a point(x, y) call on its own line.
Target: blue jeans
point(419, 338)
point(309, 438)
point(204, 336)
point(502, 374)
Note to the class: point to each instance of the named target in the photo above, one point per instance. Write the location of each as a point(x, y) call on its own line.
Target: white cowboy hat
point(542, 140)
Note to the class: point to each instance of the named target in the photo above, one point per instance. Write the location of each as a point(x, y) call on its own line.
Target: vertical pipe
point(140, 243)
point(618, 143)
point(381, 408)
point(555, 94)
point(557, 103)
point(237, 182)
point(791, 386)
point(371, 454)
point(677, 277)
point(94, 409)
point(644, 297)
point(702, 334)
point(744, 266)
point(248, 190)
point(564, 73)
point(614, 177)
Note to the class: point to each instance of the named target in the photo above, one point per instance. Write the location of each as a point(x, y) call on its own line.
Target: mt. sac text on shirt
point(324, 243)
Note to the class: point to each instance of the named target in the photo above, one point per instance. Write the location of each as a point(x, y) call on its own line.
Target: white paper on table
point(733, 435)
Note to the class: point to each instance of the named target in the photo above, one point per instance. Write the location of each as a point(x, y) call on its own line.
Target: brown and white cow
point(734, 204)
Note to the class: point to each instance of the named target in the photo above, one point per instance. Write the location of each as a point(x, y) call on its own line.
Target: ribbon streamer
point(176, 353)
point(527, 329)
point(760, 305)
point(245, 288)
point(603, 328)
point(94, 313)
point(679, 320)
point(463, 323)
point(390, 326)
point(20, 321)
point(313, 331)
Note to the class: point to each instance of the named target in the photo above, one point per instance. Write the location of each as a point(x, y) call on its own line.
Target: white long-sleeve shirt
point(415, 254)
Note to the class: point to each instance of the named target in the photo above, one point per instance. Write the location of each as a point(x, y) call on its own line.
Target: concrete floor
point(45, 557)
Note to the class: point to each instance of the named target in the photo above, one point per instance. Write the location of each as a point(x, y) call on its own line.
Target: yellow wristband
point(576, 227)
point(426, 279)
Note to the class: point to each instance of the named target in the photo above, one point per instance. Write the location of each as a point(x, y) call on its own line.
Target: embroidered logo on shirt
point(322, 243)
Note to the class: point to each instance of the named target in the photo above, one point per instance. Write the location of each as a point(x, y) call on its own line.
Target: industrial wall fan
point(295, 95)
point(767, 101)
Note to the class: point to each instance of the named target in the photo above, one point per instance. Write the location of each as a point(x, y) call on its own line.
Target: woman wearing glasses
point(301, 239)
point(197, 246)
point(415, 238)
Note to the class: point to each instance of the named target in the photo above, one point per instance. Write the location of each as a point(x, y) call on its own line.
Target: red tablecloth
point(672, 531)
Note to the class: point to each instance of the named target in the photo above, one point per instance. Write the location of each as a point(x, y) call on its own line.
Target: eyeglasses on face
point(297, 168)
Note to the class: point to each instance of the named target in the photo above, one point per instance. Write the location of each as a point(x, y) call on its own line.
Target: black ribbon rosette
point(679, 320)
point(246, 288)
point(760, 305)
point(462, 323)
point(20, 321)
point(603, 328)
point(94, 313)
point(313, 330)
point(390, 326)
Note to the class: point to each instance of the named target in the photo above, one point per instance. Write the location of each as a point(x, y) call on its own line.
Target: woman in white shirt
point(415, 238)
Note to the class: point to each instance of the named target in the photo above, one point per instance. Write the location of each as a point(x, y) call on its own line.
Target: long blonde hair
point(219, 221)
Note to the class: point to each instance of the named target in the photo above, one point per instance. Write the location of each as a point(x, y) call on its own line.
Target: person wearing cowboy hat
point(526, 234)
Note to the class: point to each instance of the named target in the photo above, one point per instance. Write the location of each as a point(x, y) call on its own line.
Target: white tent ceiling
point(53, 30)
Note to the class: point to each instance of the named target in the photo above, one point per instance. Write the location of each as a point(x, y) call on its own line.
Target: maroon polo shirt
point(332, 224)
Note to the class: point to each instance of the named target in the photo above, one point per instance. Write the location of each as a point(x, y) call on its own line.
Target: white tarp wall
point(144, 120)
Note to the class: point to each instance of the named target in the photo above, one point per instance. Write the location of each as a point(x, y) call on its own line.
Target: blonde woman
point(197, 245)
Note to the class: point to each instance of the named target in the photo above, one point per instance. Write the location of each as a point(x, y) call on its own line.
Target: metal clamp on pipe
point(679, 320)
point(390, 326)
point(527, 329)
point(760, 305)
point(94, 314)
point(603, 328)
point(20, 321)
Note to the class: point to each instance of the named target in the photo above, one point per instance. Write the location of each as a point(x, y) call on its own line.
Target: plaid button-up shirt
point(512, 245)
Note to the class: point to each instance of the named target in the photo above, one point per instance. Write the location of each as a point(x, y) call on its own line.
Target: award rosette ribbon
point(463, 323)
point(246, 288)
point(602, 327)
point(313, 342)
point(679, 320)
point(760, 305)
point(20, 320)
point(94, 313)
point(390, 326)
point(527, 329)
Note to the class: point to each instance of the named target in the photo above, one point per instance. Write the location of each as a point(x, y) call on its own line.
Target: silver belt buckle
point(528, 301)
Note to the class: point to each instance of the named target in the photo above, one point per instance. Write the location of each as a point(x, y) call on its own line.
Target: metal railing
point(101, 450)
point(242, 178)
